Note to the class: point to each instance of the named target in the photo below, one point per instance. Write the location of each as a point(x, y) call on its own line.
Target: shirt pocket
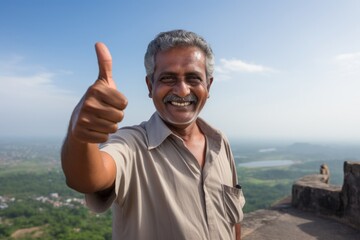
point(234, 201)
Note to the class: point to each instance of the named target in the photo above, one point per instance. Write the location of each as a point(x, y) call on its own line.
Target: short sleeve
point(118, 149)
point(98, 204)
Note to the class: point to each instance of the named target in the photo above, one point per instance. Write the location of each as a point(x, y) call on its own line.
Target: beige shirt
point(161, 192)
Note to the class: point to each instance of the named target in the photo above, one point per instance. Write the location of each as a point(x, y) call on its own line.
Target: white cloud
point(348, 57)
point(227, 68)
point(40, 84)
point(235, 65)
point(32, 103)
point(348, 63)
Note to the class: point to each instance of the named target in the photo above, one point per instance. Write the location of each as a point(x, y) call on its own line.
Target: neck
point(194, 140)
point(186, 132)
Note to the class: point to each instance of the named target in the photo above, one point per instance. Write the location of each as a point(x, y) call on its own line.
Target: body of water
point(269, 163)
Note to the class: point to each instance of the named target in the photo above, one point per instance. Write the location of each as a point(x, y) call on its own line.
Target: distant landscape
point(35, 202)
point(268, 170)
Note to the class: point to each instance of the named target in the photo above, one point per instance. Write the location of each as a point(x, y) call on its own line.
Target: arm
point(87, 169)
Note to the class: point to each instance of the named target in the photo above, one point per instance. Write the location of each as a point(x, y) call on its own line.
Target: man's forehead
point(189, 55)
point(198, 54)
point(194, 50)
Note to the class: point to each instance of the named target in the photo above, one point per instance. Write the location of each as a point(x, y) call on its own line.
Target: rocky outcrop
point(313, 193)
point(350, 194)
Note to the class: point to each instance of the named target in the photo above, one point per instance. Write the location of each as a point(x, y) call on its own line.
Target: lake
point(268, 163)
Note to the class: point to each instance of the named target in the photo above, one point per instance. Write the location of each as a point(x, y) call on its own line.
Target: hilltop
point(283, 222)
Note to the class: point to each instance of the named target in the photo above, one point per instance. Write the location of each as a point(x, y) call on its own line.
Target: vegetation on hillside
point(35, 202)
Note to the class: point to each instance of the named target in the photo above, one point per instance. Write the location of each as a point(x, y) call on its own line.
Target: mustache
point(174, 98)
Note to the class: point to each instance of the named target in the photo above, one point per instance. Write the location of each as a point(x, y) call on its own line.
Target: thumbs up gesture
point(102, 106)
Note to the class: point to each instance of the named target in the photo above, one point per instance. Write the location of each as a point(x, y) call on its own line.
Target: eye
point(193, 80)
point(167, 79)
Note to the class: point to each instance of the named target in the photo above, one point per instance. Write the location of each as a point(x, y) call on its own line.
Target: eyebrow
point(193, 73)
point(167, 73)
point(186, 73)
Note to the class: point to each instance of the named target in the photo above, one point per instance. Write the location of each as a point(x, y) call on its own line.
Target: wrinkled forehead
point(186, 52)
point(180, 56)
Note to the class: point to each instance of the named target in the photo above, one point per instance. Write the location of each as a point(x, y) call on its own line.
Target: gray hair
point(177, 38)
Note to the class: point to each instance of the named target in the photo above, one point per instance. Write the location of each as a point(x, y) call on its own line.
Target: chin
point(178, 122)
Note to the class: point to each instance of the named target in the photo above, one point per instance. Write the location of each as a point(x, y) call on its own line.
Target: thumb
point(105, 64)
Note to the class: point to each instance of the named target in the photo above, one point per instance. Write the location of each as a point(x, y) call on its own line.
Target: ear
point(149, 85)
point(210, 81)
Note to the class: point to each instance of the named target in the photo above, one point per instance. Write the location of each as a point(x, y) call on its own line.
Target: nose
point(181, 89)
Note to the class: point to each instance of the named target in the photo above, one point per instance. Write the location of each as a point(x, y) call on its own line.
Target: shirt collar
point(213, 135)
point(157, 132)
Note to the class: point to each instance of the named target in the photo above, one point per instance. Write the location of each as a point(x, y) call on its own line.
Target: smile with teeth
point(180, 104)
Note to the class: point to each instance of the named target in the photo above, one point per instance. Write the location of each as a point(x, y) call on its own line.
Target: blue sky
point(286, 70)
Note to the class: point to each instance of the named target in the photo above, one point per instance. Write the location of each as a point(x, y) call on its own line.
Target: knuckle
point(113, 128)
point(119, 116)
point(91, 105)
point(124, 102)
point(87, 105)
point(82, 121)
point(94, 90)
point(103, 138)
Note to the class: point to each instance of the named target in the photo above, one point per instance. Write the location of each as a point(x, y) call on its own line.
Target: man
point(171, 177)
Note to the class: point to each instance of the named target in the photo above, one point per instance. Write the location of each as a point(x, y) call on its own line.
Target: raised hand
point(102, 106)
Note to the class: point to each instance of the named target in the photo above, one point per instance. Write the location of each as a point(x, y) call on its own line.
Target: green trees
point(54, 222)
point(53, 217)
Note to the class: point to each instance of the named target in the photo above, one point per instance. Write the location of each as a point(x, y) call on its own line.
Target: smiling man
point(171, 177)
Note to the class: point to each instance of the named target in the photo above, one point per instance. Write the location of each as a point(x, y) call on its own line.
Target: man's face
point(179, 87)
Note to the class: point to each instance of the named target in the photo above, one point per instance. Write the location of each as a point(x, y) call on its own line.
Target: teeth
point(181, 104)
